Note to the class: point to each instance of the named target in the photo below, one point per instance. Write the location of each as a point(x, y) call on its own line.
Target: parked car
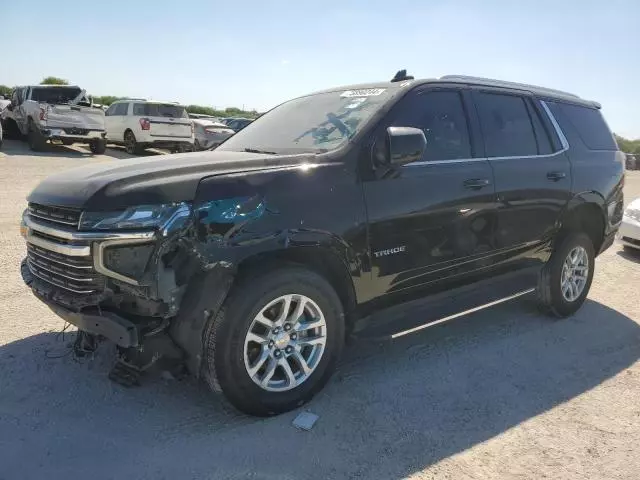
point(3, 104)
point(55, 113)
point(202, 116)
point(139, 124)
point(333, 212)
point(237, 124)
point(210, 134)
point(630, 229)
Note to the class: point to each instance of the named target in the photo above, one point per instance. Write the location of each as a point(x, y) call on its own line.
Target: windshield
point(160, 110)
point(315, 123)
point(53, 95)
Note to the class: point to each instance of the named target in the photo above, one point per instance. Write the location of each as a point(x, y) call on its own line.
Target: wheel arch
point(585, 212)
point(208, 289)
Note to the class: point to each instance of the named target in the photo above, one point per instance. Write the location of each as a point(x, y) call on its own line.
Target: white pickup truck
point(56, 113)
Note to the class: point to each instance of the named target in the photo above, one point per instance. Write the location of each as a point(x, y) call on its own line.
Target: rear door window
point(121, 109)
point(590, 126)
point(506, 125)
point(160, 110)
point(542, 135)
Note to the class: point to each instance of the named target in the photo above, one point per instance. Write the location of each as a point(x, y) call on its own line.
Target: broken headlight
point(166, 216)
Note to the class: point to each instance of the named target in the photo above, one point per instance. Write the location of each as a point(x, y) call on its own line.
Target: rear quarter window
point(590, 126)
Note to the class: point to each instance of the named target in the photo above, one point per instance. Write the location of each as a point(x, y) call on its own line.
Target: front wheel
point(566, 279)
point(276, 341)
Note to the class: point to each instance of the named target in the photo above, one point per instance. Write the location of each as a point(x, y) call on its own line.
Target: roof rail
point(503, 83)
point(131, 98)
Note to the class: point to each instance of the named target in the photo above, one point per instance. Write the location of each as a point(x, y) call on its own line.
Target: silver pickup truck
point(55, 113)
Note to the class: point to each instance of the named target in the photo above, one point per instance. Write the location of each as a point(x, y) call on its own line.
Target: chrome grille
point(75, 274)
point(55, 215)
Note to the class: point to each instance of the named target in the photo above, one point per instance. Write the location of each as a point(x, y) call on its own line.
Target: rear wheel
point(566, 279)
point(131, 144)
point(35, 139)
point(275, 341)
point(98, 146)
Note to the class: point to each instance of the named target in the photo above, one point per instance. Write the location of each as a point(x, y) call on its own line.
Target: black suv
point(391, 205)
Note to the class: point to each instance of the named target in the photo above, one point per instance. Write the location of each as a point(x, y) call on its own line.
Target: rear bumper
point(59, 133)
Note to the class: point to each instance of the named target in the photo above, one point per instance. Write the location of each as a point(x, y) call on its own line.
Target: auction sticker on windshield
point(363, 92)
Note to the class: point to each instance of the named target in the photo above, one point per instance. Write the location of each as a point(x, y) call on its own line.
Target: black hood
point(157, 180)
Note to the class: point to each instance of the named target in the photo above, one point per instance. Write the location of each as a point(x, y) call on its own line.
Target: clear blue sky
point(260, 53)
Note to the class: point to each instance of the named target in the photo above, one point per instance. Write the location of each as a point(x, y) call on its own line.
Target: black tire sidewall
point(98, 146)
point(559, 304)
point(134, 148)
point(235, 320)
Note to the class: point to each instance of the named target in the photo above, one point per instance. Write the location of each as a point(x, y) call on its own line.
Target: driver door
point(433, 219)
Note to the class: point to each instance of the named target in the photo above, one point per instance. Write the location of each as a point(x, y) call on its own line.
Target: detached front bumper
point(119, 330)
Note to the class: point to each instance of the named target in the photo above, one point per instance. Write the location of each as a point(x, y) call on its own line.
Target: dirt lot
point(505, 393)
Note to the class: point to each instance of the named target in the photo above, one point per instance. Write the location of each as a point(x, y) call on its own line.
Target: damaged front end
point(111, 274)
point(147, 278)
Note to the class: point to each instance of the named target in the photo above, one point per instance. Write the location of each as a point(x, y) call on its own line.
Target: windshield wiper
point(255, 150)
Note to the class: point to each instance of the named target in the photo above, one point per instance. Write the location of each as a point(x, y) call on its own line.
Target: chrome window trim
point(556, 126)
point(440, 162)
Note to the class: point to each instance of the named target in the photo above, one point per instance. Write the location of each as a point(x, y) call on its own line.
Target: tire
point(196, 146)
point(226, 346)
point(131, 145)
point(11, 130)
point(551, 298)
point(35, 139)
point(98, 146)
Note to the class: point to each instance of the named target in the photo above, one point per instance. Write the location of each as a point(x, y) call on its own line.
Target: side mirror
point(405, 145)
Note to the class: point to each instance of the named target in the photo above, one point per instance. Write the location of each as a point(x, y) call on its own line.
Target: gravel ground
point(505, 393)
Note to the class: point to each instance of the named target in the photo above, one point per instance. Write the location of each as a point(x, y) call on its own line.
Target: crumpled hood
point(156, 180)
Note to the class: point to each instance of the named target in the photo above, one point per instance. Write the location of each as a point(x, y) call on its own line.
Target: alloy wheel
point(285, 343)
point(575, 272)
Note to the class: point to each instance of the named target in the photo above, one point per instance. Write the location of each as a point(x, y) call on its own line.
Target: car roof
point(144, 100)
point(47, 85)
point(407, 84)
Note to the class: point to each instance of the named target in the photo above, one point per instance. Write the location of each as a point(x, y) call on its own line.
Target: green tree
point(6, 91)
point(105, 99)
point(54, 81)
point(628, 146)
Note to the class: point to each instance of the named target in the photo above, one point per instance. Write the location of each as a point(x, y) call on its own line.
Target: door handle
point(476, 183)
point(555, 176)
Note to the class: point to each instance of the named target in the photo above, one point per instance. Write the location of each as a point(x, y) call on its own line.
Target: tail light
point(191, 128)
point(145, 124)
point(43, 113)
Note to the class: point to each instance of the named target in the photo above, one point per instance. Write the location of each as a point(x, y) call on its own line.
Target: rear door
point(430, 220)
point(167, 120)
point(531, 170)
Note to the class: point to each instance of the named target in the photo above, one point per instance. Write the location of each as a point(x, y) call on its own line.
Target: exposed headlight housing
point(165, 216)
